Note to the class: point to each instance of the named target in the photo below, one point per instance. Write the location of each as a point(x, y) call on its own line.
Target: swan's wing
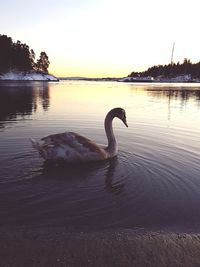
point(73, 145)
point(59, 139)
point(68, 138)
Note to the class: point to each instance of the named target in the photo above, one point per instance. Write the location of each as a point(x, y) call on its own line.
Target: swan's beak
point(125, 122)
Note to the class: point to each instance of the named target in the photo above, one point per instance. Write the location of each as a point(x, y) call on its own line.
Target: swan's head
point(120, 114)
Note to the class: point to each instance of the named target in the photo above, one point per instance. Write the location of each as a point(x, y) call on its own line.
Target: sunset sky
point(104, 38)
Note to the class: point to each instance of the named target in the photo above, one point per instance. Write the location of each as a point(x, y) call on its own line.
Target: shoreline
point(29, 81)
point(55, 246)
point(55, 79)
point(27, 76)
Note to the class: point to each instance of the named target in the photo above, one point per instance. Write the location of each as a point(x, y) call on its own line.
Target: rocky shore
point(53, 247)
point(27, 76)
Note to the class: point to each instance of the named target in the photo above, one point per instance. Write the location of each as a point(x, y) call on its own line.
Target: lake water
point(153, 183)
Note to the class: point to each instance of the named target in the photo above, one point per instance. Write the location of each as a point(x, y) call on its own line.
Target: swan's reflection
point(106, 170)
point(113, 186)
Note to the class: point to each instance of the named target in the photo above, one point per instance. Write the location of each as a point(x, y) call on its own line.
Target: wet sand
point(39, 247)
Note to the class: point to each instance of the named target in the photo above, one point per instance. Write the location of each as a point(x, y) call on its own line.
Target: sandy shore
point(41, 247)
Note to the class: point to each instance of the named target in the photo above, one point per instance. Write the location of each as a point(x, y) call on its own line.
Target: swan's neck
point(112, 145)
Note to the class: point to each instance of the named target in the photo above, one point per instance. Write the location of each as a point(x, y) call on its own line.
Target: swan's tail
point(43, 153)
point(35, 144)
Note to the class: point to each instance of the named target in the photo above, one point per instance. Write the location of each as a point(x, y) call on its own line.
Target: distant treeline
point(171, 70)
point(20, 57)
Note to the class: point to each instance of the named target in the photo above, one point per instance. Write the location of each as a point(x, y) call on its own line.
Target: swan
point(72, 147)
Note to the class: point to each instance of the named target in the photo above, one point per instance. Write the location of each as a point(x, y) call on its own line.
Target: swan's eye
point(123, 115)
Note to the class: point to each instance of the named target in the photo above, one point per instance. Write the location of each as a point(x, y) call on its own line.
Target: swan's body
point(72, 147)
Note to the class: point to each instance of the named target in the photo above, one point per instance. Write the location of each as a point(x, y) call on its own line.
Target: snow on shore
point(27, 76)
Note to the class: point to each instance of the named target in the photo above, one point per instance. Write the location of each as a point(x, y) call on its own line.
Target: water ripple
point(154, 180)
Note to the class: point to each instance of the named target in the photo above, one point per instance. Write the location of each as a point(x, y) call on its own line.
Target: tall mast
point(172, 53)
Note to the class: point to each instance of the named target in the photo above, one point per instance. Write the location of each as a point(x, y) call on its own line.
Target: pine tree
point(16, 55)
point(43, 63)
point(5, 53)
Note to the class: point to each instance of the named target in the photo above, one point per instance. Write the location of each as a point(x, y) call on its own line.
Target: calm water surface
point(153, 183)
